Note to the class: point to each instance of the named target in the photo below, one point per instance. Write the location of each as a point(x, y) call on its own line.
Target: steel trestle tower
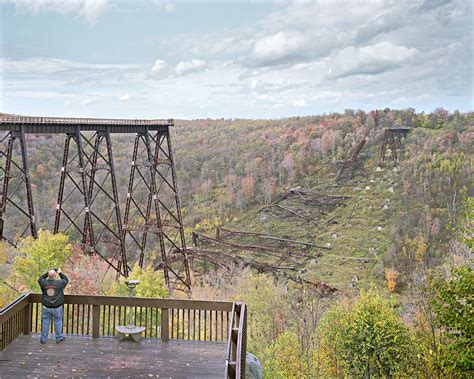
point(16, 187)
point(88, 204)
point(153, 202)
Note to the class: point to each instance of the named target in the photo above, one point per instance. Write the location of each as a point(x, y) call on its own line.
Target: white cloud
point(299, 102)
point(90, 10)
point(406, 101)
point(160, 69)
point(326, 95)
point(298, 59)
point(188, 67)
point(279, 48)
point(42, 66)
point(125, 97)
point(369, 60)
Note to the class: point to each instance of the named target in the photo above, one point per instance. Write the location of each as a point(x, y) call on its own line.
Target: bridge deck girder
point(49, 125)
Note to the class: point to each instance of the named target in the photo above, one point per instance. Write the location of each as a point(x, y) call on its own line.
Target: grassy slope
point(360, 245)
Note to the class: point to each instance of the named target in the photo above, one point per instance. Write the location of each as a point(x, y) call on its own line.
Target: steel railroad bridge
point(88, 203)
point(183, 338)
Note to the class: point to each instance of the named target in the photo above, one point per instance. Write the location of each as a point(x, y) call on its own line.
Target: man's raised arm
point(64, 279)
point(41, 279)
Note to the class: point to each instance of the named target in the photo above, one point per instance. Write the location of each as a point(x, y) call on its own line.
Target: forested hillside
point(386, 230)
point(229, 169)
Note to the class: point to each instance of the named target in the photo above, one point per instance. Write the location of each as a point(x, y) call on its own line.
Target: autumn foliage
point(391, 275)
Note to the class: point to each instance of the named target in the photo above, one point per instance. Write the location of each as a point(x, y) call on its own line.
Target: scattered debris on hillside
point(304, 204)
point(278, 256)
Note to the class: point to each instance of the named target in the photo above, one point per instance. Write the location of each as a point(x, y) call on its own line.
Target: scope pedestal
point(135, 332)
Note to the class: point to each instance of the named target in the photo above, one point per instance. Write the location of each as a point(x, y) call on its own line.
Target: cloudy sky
point(252, 59)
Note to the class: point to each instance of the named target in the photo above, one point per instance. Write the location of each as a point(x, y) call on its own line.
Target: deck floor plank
point(85, 357)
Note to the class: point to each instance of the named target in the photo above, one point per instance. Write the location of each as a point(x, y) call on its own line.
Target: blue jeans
point(57, 315)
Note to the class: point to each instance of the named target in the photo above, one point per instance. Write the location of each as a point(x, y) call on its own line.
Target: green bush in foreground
point(365, 339)
point(38, 256)
point(453, 304)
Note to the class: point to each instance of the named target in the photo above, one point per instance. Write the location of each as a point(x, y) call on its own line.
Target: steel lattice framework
point(283, 258)
point(392, 141)
point(349, 166)
point(153, 202)
point(152, 220)
point(16, 193)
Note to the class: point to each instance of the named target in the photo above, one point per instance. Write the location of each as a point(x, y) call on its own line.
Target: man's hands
point(58, 270)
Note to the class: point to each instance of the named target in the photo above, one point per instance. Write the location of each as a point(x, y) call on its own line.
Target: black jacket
point(53, 290)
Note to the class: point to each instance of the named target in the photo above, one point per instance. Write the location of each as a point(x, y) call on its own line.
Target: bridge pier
point(16, 178)
point(152, 210)
point(392, 139)
point(107, 228)
point(73, 165)
point(93, 162)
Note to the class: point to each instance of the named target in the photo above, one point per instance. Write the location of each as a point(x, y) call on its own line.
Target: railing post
point(165, 333)
point(244, 341)
point(27, 319)
point(235, 333)
point(95, 321)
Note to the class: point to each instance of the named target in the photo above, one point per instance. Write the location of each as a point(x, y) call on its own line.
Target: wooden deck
point(85, 357)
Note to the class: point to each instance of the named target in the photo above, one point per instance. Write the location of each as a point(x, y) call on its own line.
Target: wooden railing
point(166, 319)
point(15, 320)
point(237, 342)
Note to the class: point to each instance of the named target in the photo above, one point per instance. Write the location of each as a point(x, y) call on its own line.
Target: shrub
point(453, 304)
point(366, 338)
point(38, 256)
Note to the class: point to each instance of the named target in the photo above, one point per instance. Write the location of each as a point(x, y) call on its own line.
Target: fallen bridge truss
point(280, 257)
point(303, 204)
point(349, 167)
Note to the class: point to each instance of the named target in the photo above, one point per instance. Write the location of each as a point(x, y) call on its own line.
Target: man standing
point(52, 299)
